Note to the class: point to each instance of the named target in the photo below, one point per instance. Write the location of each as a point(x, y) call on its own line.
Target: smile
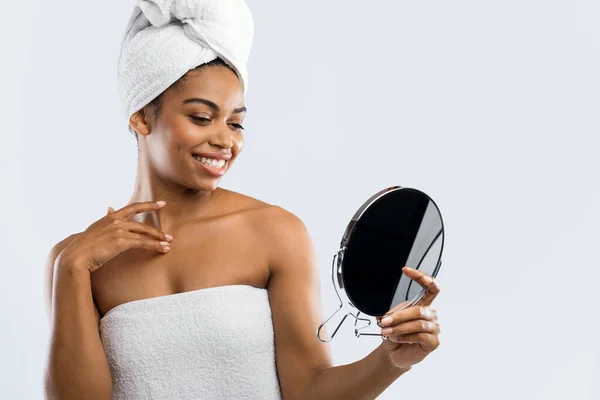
point(211, 165)
point(211, 162)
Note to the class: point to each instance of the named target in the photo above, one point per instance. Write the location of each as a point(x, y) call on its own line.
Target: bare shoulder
point(285, 237)
point(276, 227)
point(272, 220)
point(278, 222)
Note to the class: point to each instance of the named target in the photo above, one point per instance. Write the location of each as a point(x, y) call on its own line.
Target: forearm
point(76, 367)
point(364, 379)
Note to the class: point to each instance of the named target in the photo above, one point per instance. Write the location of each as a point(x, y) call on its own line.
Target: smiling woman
point(191, 290)
point(193, 130)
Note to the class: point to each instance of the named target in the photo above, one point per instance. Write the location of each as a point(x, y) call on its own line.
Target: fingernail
point(386, 321)
point(161, 203)
point(386, 331)
point(169, 237)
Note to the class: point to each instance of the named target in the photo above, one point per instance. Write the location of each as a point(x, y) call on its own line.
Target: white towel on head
point(166, 38)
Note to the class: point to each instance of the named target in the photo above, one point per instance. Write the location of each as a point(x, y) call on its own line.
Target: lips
point(212, 170)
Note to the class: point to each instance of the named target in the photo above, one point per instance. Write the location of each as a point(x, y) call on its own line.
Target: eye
point(238, 126)
point(199, 119)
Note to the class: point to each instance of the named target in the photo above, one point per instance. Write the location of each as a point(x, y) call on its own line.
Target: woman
point(208, 293)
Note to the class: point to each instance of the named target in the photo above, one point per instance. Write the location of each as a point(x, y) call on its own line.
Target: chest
point(202, 255)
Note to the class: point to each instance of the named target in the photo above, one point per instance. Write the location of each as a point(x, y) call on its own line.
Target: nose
point(222, 137)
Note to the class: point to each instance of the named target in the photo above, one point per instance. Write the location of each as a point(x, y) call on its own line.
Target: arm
point(76, 366)
point(304, 363)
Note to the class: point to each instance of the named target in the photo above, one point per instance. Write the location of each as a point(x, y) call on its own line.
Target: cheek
point(238, 144)
point(181, 138)
point(168, 148)
point(159, 148)
point(184, 134)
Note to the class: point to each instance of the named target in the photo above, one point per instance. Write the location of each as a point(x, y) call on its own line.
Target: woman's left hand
point(414, 330)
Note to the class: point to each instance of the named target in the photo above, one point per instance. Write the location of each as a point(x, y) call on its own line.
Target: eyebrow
point(211, 104)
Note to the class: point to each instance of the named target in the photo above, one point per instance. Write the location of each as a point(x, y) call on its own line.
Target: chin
point(208, 185)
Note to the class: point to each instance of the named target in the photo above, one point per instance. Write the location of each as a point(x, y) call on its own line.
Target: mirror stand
point(345, 304)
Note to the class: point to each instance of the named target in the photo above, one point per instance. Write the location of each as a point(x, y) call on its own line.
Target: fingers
point(139, 227)
point(426, 281)
point(135, 226)
point(134, 208)
point(398, 307)
point(409, 314)
point(390, 312)
point(428, 341)
point(415, 326)
point(126, 240)
point(400, 314)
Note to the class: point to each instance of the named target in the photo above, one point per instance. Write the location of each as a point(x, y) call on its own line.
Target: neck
point(183, 203)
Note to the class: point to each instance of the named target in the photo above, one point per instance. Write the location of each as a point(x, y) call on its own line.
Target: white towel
point(166, 38)
point(214, 343)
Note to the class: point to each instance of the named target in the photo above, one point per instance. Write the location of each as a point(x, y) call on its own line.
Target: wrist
point(388, 364)
point(71, 267)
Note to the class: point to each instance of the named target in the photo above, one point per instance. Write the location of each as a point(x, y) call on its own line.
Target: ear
point(140, 122)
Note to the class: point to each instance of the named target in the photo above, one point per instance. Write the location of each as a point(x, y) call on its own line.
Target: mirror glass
point(403, 227)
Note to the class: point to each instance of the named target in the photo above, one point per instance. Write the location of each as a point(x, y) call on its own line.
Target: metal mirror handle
point(350, 310)
point(334, 277)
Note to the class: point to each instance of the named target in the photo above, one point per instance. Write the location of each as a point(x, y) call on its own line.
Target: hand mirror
point(396, 227)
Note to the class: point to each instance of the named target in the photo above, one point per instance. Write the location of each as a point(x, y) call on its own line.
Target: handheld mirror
point(396, 227)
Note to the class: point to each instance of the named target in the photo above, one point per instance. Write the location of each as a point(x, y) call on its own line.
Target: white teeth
point(211, 162)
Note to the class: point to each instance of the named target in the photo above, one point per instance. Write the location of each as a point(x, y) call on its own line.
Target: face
point(198, 134)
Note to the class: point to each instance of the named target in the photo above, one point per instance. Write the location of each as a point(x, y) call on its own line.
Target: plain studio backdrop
point(489, 107)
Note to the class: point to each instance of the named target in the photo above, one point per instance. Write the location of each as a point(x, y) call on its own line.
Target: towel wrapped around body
point(214, 343)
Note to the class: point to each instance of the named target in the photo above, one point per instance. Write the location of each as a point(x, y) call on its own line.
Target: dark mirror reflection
point(402, 228)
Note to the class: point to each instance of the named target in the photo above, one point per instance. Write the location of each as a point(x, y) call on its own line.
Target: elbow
point(47, 386)
point(311, 387)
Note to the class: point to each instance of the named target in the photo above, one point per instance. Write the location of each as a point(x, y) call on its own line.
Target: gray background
point(491, 107)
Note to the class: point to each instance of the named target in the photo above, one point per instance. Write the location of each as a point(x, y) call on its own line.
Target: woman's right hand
point(113, 234)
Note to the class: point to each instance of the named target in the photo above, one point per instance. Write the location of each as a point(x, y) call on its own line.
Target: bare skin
point(219, 238)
